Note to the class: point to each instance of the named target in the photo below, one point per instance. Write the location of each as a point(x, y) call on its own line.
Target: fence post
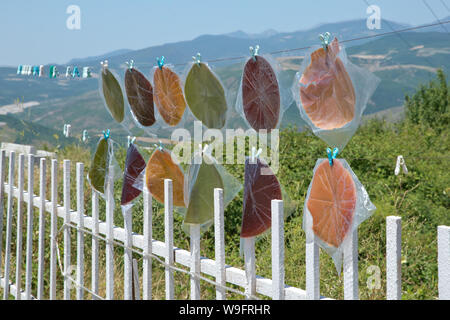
point(351, 290)
point(168, 235)
point(67, 230)
point(195, 261)
point(249, 261)
point(53, 228)
point(128, 257)
point(444, 262)
point(19, 234)
point(110, 234)
point(393, 258)
point(2, 198)
point(312, 267)
point(41, 244)
point(80, 233)
point(9, 225)
point(277, 250)
point(95, 231)
point(219, 240)
point(30, 218)
point(147, 260)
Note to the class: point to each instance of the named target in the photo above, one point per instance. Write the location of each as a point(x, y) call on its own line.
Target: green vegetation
point(421, 198)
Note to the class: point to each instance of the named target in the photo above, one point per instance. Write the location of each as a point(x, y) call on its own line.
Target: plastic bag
point(134, 167)
point(332, 93)
point(140, 97)
point(168, 96)
point(205, 96)
point(103, 164)
point(335, 205)
point(206, 174)
point(161, 166)
point(261, 101)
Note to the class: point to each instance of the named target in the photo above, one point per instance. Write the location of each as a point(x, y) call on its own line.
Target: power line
point(445, 5)
point(309, 47)
point(434, 14)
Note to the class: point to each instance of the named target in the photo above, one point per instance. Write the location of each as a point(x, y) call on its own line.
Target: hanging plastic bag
point(335, 205)
point(205, 95)
point(261, 101)
point(103, 164)
point(168, 95)
point(332, 93)
point(140, 96)
point(206, 174)
point(134, 167)
point(161, 166)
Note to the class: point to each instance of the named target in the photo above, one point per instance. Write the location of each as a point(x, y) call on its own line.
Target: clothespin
point(325, 39)
point(85, 135)
point(131, 140)
point(254, 52)
point(160, 146)
point(197, 59)
point(130, 64)
point(41, 70)
point(106, 134)
point(160, 62)
point(104, 65)
point(86, 72)
point(254, 155)
point(19, 69)
point(53, 72)
point(332, 155)
point(400, 162)
point(65, 129)
point(35, 70)
point(68, 71)
point(75, 72)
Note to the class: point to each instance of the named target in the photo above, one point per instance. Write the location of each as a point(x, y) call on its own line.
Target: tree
point(429, 106)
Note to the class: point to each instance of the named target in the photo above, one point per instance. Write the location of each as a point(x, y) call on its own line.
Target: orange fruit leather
point(169, 98)
point(326, 92)
point(332, 202)
point(160, 166)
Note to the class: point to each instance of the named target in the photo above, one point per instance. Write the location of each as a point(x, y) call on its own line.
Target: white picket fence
point(173, 259)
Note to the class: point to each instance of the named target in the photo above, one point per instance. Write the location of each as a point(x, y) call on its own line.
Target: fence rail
point(164, 252)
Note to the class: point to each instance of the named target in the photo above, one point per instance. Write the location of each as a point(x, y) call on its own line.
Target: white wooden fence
point(173, 259)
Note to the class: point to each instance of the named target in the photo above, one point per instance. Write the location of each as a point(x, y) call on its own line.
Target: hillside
point(400, 61)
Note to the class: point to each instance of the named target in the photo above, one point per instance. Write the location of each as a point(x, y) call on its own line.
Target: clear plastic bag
point(168, 92)
point(332, 93)
point(132, 176)
point(206, 96)
point(335, 205)
point(261, 100)
point(201, 196)
point(103, 166)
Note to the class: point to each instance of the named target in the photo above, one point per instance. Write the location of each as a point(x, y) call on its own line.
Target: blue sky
point(35, 32)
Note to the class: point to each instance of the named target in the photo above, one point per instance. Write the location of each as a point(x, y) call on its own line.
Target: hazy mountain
point(100, 57)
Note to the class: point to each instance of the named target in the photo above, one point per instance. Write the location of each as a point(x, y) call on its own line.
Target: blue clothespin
point(75, 72)
point(160, 62)
point(254, 52)
point(160, 146)
point(332, 155)
point(197, 59)
point(106, 134)
point(19, 69)
point(130, 64)
point(325, 39)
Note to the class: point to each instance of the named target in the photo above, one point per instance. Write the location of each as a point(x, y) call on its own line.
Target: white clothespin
point(66, 130)
point(104, 65)
point(131, 140)
point(41, 70)
point(255, 154)
point(68, 72)
point(400, 162)
point(85, 135)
